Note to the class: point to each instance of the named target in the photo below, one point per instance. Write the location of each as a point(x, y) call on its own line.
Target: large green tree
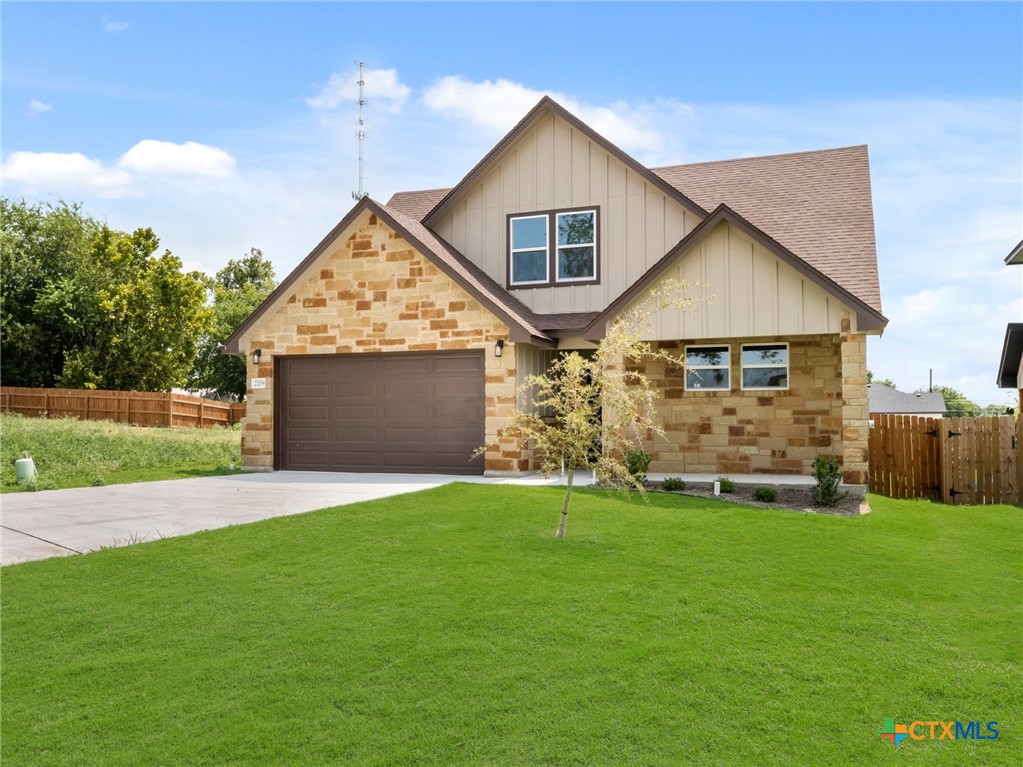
point(86, 306)
point(238, 289)
point(957, 404)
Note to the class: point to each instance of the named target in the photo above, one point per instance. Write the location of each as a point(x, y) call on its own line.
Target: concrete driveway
point(60, 522)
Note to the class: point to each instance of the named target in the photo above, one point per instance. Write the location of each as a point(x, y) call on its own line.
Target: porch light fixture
point(499, 347)
point(256, 355)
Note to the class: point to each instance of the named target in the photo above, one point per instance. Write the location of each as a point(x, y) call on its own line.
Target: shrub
point(827, 473)
point(727, 485)
point(673, 484)
point(765, 494)
point(637, 462)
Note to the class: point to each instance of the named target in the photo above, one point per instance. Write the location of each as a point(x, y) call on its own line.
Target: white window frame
point(546, 250)
point(558, 248)
point(727, 367)
point(788, 367)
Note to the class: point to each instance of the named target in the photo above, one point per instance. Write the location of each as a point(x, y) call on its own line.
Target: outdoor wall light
point(256, 355)
point(499, 348)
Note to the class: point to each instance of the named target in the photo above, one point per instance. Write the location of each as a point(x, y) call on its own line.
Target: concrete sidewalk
point(54, 523)
point(60, 522)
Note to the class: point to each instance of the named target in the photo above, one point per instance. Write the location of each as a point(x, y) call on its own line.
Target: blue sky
point(230, 125)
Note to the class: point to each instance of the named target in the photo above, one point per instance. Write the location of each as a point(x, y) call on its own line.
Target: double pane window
point(707, 368)
point(553, 248)
point(765, 366)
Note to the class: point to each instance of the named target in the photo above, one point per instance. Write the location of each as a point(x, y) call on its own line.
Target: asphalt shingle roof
point(882, 398)
point(817, 204)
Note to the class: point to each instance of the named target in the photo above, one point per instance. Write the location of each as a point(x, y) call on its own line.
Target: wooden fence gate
point(951, 460)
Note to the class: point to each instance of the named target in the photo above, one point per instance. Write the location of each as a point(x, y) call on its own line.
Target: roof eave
point(1012, 350)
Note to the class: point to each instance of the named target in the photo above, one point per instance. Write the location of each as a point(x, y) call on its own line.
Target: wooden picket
point(136, 408)
point(952, 460)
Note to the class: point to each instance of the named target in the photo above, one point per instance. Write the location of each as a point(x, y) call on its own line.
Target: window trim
point(552, 280)
point(727, 366)
point(546, 251)
point(788, 367)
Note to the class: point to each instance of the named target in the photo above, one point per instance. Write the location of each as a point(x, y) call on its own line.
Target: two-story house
point(399, 342)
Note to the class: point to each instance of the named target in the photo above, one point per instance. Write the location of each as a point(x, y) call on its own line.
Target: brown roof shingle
point(817, 204)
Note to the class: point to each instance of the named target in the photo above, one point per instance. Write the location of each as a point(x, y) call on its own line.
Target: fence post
point(202, 414)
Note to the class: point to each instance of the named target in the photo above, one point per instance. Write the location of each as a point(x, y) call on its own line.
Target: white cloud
point(497, 106)
point(190, 159)
point(147, 161)
point(38, 107)
point(382, 87)
point(62, 172)
point(114, 26)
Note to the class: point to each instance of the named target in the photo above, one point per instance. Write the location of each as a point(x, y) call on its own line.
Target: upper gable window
point(553, 248)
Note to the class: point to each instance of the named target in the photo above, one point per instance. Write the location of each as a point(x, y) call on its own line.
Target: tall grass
point(72, 453)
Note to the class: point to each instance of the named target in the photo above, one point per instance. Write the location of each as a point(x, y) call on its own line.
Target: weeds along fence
point(951, 460)
point(132, 407)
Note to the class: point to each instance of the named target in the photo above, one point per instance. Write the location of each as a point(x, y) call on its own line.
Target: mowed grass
point(72, 453)
point(449, 627)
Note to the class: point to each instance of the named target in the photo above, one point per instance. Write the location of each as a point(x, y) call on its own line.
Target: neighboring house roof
point(1015, 255)
point(884, 399)
point(523, 323)
point(1012, 351)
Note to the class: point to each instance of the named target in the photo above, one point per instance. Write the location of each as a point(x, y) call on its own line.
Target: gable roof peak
point(547, 105)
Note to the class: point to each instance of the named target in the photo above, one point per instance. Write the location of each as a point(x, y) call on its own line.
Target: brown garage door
point(401, 412)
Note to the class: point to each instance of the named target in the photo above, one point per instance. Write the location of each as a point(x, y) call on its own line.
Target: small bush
point(727, 486)
point(98, 482)
point(765, 494)
point(827, 473)
point(673, 484)
point(637, 462)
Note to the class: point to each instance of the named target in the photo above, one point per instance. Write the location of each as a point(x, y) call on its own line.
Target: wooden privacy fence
point(951, 460)
point(134, 407)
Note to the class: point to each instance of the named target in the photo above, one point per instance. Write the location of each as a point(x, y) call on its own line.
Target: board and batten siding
point(744, 291)
point(554, 166)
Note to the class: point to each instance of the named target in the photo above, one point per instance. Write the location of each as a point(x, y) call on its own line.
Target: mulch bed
point(795, 498)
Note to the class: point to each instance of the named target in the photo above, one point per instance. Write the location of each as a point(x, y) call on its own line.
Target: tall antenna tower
point(361, 133)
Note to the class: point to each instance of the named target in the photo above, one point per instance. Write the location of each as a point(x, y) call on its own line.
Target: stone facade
point(375, 293)
point(823, 412)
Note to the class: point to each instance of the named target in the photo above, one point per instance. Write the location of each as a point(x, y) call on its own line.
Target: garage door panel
point(458, 363)
point(352, 388)
point(415, 412)
point(356, 412)
point(308, 391)
point(355, 435)
point(298, 413)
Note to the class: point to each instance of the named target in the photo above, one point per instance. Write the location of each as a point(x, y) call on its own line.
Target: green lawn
point(72, 453)
point(450, 627)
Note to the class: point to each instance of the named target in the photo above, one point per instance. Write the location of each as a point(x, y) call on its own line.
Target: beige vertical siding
point(529, 360)
point(744, 291)
point(555, 166)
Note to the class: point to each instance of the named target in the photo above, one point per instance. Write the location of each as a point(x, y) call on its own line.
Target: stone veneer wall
point(376, 293)
point(823, 412)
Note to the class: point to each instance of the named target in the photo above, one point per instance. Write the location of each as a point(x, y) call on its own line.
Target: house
point(1010, 368)
point(882, 398)
point(398, 343)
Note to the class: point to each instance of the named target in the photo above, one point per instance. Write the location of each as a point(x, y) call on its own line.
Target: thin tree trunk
point(568, 498)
